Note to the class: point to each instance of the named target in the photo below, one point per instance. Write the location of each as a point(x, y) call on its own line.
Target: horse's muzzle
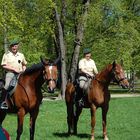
point(50, 90)
point(125, 85)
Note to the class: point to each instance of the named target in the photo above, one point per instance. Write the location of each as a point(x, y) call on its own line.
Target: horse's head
point(50, 74)
point(119, 76)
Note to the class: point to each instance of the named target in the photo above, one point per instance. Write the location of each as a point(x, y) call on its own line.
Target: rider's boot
point(4, 104)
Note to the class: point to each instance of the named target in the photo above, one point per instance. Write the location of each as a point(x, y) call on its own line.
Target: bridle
point(116, 78)
point(49, 63)
point(51, 78)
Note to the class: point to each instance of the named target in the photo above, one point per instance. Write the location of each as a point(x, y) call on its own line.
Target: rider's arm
point(24, 68)
point(95, 71)
point(10, 68)
point(24, 63)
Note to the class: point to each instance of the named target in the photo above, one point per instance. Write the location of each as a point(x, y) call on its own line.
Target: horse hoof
point(92, 138)
point(106, 138)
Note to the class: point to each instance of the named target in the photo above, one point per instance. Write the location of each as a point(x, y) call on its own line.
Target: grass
point(123, 122)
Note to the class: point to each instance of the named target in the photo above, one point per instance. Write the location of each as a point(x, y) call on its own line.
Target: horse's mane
point(105, 69)
point(33, 68)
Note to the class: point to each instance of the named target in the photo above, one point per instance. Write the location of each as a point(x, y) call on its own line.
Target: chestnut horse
point(27, 96)
point(98, 96)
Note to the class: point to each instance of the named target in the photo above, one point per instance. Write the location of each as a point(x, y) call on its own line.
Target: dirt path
point(112, 96)
point(124, 95)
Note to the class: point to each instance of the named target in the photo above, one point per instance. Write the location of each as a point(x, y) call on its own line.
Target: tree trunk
point(63, 54)
point(63, 15)
point(78, 40)
point(5, 30)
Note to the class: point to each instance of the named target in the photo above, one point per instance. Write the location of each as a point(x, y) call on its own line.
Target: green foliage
point(112, 29)
point(31, 22)
point(112, 32)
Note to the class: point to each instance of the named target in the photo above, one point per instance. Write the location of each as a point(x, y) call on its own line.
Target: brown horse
point(98, 96)
point(27, 96)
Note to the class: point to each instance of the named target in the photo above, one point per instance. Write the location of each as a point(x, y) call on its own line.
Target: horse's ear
point(57, 60)
point(43, 61)
point(114, 64)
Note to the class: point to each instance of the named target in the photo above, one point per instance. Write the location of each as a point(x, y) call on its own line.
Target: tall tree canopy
point(109, 27)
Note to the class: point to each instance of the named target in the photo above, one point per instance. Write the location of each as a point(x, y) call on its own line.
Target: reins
point(25, 92)
point(103, 81)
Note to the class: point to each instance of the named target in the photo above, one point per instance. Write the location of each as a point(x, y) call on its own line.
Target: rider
point(13, 62)
point(87, 71)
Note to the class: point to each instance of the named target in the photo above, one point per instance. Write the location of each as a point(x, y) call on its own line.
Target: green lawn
point(123, 122)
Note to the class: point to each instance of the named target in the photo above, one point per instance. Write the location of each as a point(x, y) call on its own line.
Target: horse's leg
point(77, 112)
point(33, 116)
point(70, 99)
point(2, 116)
point(70, 117)
point(20, 117)
point(104, 115)
point(93, 111)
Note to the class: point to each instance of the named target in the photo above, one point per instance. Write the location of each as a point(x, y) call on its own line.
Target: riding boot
point(82, 99)
point(4, 104)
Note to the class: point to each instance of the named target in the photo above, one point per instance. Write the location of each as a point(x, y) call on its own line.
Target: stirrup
point(4, 105)
point(81, 103)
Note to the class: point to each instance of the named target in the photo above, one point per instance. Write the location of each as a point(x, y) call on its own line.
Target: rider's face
point(88, 56)
point(14, 48)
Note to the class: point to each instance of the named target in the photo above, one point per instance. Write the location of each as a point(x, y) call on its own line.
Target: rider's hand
point(17, 71)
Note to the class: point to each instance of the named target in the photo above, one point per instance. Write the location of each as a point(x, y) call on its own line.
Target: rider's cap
point(86, 51)
point(14, 42)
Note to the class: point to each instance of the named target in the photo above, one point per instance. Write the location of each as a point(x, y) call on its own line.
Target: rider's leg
point(3, 100)
point(85, 92)
point(8, 78)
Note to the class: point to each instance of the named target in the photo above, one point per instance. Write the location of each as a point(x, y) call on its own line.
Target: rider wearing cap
point(13, 62)
point(87, 70)
point(87, 65)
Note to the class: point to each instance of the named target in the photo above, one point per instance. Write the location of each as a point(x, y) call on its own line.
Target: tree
point(79, 38)
point(61, 44)
point(110, 28)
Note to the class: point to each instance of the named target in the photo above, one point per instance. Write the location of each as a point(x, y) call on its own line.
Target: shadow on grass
point(83, 135)
point(61, 135)
point(67, 135)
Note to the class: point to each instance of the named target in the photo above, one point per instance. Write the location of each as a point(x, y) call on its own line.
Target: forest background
point(62, 28)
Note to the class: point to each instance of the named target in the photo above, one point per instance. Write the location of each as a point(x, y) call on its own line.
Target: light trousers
point(9, 76)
